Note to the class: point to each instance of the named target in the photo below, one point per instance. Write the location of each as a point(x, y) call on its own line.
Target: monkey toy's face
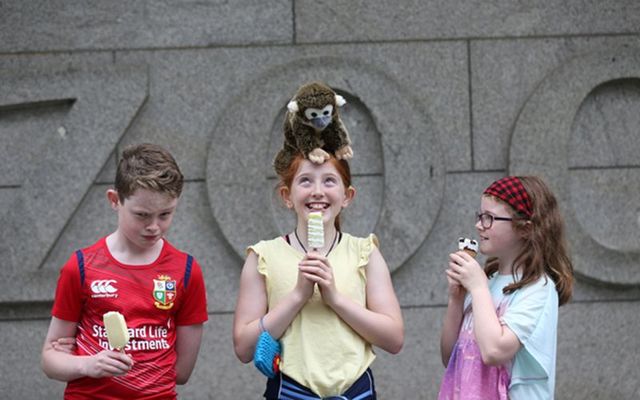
point(318, 118)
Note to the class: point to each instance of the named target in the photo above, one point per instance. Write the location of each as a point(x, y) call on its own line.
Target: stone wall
point(443, 97)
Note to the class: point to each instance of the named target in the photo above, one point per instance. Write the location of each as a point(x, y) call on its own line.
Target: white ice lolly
point(116, 327)
point(315, 232)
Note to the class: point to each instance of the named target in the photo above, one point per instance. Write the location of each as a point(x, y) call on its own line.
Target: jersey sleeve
point(67, 304)
point(194, 307)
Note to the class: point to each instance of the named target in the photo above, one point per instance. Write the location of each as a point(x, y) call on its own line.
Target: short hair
point(147, 166)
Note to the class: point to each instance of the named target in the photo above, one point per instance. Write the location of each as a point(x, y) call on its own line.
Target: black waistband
point(282, 387)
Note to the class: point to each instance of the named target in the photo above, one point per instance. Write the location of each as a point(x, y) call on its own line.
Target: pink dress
point(467, 377)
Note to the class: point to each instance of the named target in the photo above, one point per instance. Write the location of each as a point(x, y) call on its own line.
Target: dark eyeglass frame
point(482, 218)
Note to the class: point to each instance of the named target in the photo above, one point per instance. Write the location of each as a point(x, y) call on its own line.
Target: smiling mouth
point(317, 206)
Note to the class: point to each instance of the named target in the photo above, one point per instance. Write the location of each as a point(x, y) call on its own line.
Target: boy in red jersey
point(136, 271)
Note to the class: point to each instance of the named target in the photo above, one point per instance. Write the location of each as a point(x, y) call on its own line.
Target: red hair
point(342, 166)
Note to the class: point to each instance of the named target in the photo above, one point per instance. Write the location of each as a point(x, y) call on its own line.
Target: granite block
point(605, 128)
point(35, 26)
point(415, 372)
point(595, 339)
point(363, 21)
point(422, 281)
point(605, 204)
point(409, 148)
point(25, 133)
point(108, 173)
point(218, 373)
point(540, 145)
point(20, 374)
point(505, 73)
point(74, 151)
point(191, 91)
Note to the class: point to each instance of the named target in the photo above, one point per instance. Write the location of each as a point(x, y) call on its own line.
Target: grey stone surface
point(593, 341)
point(490, 80)
point(605, 128)
point(72, 153)
point(540, 146)
point(20, 373)
point(191, 91)
point(422, 281)
point(340, 21)
point(25, 133)
point(504, 73)
point(608, 209)
point(34, 25)
point(412, 157)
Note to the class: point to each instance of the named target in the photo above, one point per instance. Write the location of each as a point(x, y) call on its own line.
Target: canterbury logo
point(103, 287)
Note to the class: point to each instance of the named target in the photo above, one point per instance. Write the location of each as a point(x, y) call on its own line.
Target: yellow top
point(319, 350)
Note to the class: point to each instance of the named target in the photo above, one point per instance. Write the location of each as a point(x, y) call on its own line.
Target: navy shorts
point(284, 388)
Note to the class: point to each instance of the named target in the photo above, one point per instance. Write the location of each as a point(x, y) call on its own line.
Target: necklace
point(295, 232)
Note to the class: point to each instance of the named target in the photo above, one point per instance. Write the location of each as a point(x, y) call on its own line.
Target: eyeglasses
point(486, 220)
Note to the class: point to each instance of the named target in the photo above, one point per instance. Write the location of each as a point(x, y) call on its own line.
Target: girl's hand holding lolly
point(465, 270)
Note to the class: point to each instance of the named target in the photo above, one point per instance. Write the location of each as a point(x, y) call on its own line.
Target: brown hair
point(147, 166)
point(342, 166)
point(545, 247)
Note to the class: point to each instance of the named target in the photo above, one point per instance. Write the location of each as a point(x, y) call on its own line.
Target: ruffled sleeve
point(366, 246)
point(259, 248)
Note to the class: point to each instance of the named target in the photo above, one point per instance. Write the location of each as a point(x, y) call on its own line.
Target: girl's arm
point(452, 319)
point(252, 305)
point(380, 323)
point(65, 367)
point(188, 339)
point(498, 344)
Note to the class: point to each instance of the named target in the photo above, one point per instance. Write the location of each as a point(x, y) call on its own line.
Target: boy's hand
point(65, 345)
point(107, 363)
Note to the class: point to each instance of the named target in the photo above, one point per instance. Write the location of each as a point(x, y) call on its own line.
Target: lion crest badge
point(164, 292)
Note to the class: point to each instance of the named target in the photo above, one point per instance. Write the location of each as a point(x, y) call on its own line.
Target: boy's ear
point(349, 195)
point(113, 198)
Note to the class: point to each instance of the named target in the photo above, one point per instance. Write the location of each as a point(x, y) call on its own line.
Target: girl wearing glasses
point(499, 333)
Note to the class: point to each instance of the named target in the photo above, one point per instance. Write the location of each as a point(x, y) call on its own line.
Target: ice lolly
point(116, 327)
point(315, 232)
point(469, 246)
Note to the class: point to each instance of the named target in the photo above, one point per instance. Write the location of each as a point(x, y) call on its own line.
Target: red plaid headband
point(510, 189)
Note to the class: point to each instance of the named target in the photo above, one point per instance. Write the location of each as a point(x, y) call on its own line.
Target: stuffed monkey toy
point(312, 126)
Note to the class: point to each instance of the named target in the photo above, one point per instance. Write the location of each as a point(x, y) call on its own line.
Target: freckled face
point(318, 188)
point(145, 217)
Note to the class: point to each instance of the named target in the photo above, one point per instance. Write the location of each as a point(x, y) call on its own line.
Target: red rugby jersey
point(153, 298)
